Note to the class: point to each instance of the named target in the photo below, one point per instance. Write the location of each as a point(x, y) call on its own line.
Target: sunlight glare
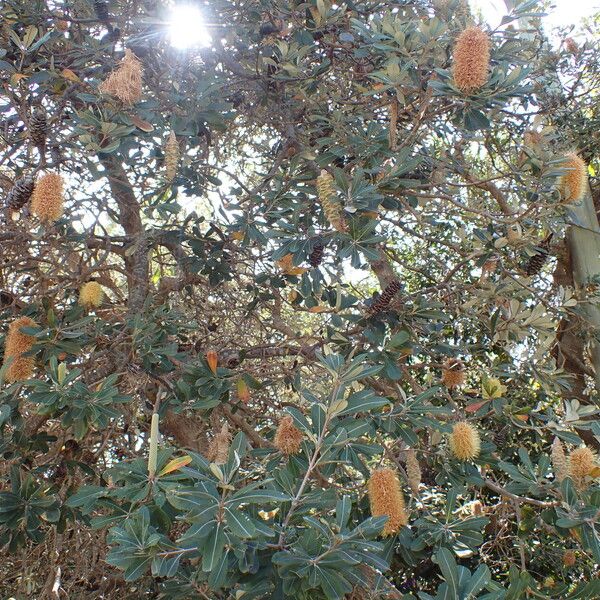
point(187, 29)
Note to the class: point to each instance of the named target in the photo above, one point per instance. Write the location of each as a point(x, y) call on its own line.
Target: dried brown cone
point(288, 438)
point(413, 471)
point(125, 82)
point(171, 157)
point(218, 449)
point(47, 198)
point(559, 460)
point(383, 300)
point(316, 256)
point(537, 261)
point(331, 207)
point(471, 60)
point(17, 344)
point(101, 10)
point(386, 499)
point(38, 129)
point(20, 193)
point(453, 373)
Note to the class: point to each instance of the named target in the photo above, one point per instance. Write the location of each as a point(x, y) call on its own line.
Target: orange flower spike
point(243, 392)
point(212, 359)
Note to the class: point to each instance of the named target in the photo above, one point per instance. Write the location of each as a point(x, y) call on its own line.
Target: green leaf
point(212, 550)
point(447, 565)
point(240, 524)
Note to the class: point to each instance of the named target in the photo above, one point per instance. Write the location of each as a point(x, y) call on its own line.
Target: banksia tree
point(47, 198)
point(559, 460)
point(38, 129)
point(218, 448)
point(125, 83)
point(413, 471)
point(331, 207)
point(582, 466)
point(17, 344)
point(91, 295)
point(384, 299)
point(20, 193)
point(453, 373)
point(471, 60)
point(171, 157)
point(288, 438)
point(386, 499)
point(573, 184)
point(464, 441)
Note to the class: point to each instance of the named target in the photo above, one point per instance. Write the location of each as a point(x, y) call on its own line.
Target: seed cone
point(331, 207)
point(316, 256)
point(582, 463)
point(38, 129)
point(126, 81)
point(288, 438)
point(413, 471)
point(47, 198)
point(453, 373)
point(218, 448)
point(383, 300)
point(171, 157)
point(17, 344)
point(536, 262)
point(386, 499)
point(464, 441)
point(91, 295)
point(471, 60)
point(573, 184)
point(559, 460)
point(20, 193)
point(101, 9)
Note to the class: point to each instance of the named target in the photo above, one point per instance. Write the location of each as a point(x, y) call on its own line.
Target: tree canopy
point(308, 309)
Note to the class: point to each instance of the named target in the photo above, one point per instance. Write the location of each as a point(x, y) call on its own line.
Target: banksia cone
point(316, 256)
point(243, 393)
point(16, 345)
point(582, 464)
point(212, 359)
point(569, 558)
point(331, 207)
point(126, 81)
point(477, 509)
point(218, 448)
point(20, 193)
point(383, 300)
point(413, 471)
point(386, 500)
point(91, 295)
point(571, 45)
point(38, 129)
point(288, 438)
point(559, 460)
point(538, 260)
point(171, 157)
point(464, 441)
point(573, 184)
point(47, 198)
point(471, 60)
point(453, 373)
point(101, 9)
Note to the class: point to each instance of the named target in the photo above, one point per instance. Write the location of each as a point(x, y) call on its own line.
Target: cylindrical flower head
point(413, 471)
point(218, 449)
point(91, 294)
point(47, 198)
point(582, 463)
point(17, 344)
point(453, 373)
point(331, 207)
point(126, 81)
point(573, 184)
point(386, 499)
point(288, 438)
point(471, 60)
point(171, 157)
point(559, 460)
point(464, 441)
